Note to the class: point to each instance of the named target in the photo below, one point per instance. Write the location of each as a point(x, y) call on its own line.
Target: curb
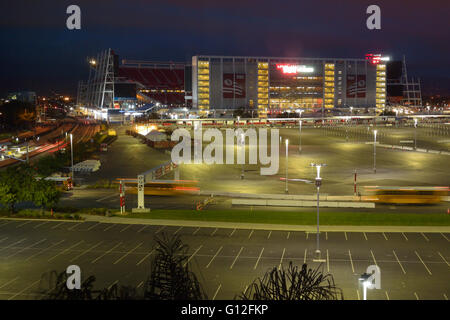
point(263, 226)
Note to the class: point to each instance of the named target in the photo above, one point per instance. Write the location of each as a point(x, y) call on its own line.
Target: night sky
point(39, 53)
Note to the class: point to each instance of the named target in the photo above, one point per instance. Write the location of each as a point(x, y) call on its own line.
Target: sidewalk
point(261, 226)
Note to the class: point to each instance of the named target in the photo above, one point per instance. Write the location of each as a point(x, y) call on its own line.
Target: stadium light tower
point(374, 151)
point(318, 184)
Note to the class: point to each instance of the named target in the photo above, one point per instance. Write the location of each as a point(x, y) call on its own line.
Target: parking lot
point(226, 261)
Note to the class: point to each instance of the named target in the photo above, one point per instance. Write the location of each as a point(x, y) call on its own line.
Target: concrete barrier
point(294, 203)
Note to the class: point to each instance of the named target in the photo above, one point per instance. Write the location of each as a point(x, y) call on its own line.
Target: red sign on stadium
point(356, 86)
point(233, 85)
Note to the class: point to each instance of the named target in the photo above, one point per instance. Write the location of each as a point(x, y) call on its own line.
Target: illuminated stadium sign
point(376, 58)
point(294, 68)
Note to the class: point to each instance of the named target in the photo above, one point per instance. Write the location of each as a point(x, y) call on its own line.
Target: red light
point(373, 58)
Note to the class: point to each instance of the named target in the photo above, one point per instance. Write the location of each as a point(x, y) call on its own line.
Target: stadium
point(264, 86)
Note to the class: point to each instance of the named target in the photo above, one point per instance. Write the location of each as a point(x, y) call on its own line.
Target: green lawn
point(302, 218)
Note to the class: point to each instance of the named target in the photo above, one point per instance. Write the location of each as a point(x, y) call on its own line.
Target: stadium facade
point(277, 84)
point(261, 84)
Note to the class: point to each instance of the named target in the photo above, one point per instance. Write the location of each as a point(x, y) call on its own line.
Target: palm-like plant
point(293, 284)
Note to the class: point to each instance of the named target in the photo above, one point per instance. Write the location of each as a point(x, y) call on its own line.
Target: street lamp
point(287, 162)
point(238, 118)
point(374, 151)
point(318, 184)
point(71, 155)
point(364, 279)
point(242, 146)
point(415, 133)
point(300, 136)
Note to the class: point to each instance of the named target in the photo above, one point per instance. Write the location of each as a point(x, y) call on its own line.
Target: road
point(413, 265)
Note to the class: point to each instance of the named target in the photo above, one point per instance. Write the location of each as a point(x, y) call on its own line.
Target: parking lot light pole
point(300, 135)
point(318, 257)
point(71, 156)
point(287, 163)
point(415, 133)
point(374, 151)
point(243, 147)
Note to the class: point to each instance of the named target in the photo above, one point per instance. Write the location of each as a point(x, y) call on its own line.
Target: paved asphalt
point(413, 265)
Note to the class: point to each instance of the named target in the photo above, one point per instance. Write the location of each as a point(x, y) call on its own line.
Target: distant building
point(23, 96)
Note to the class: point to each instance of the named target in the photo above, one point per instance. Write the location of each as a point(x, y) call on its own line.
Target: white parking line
point(384, 235)
point(126, 254)
point(404, 235)
point(357, 293)
point(75, 225)
point(304, 258)
point(111, 226)
point(142, 229)
point(445, 297)
point(178, 230)
point(217, 291)
point(6, 223)
point(423, 263)
point(93, 226)
point(196, 231)
point(235, 259)
point(112, 284)
point(195, 252)
point(351, 261)
point(232, 232)
point(444, 236)
point(10, 281)
point(328, 262)
point(326, 235)
point(140, 284)
point(444, 259)
point(287, 237)
point(250, 235)
point(126, 228)
point(257, 261)
point(424, 236)
point(22, 224)
point(86, 251)
point(417, 297)
point(12, 244)
point(65, 250)
point(107, 252)
point(160, 229)
point(214, 232)
point(43, 250)
point(281, 260)
point(23, 249)
point(40, 224)
point(268, 236)
point(146, 256)
point(56, 226)
point(212, 259)
point(404, 272)
point(22, 291)
point(345, 234)
point(365, 236)
point(373, 258)
point(3, 239)
point(387, 296)
point(307, 233)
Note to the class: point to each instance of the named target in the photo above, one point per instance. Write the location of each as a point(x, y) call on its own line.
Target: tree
point(45, 194)
point(16, 185)
point(293, 284)
point(170, 278)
